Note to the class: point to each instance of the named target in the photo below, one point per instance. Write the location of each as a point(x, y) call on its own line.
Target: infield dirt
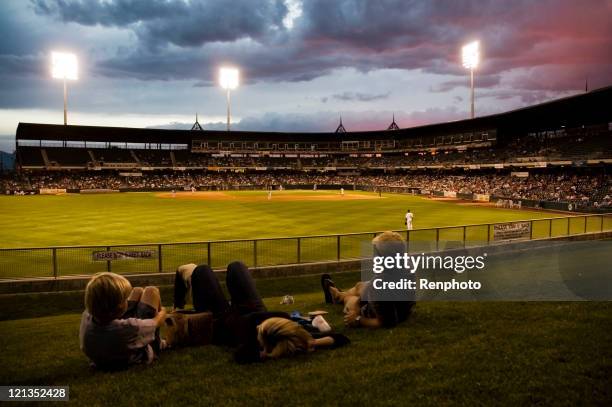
point(276, 196)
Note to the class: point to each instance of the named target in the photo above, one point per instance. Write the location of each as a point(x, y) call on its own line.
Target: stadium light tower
point(64, 66)
point(471, 57)
point(228, 79)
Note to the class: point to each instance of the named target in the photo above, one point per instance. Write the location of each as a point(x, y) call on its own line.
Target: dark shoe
point(327, 282)
point(339, 340)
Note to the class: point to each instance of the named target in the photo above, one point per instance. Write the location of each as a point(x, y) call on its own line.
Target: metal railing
point(59, 261)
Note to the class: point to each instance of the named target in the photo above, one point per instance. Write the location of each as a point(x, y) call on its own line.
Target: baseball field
point(112, 220)
point(73, 219)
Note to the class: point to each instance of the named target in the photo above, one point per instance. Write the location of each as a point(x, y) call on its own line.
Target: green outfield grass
point(472, 353)
point(129, 218)
point(124, 218)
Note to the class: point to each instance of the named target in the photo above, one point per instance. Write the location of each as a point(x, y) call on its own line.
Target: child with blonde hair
point(120, 325)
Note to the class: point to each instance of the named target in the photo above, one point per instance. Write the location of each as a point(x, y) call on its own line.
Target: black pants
point(235, 323)
point(208, 295)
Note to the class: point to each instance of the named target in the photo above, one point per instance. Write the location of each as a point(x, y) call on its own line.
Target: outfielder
point(409, 216)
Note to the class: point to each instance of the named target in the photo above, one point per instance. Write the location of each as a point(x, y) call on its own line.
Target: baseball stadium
point(142, 202)
point(459, 260)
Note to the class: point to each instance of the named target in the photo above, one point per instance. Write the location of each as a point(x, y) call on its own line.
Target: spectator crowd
point(593, 190)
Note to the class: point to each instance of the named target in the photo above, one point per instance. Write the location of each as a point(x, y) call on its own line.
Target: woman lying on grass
point(120, 325)
point(245, 323)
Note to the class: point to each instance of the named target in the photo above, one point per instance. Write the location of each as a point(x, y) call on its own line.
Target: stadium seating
point(68, 157)
point(114, 155)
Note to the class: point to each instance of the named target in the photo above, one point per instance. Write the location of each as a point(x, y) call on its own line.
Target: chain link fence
point(166, 257)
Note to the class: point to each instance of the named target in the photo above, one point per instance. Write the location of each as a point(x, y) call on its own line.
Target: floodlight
point(228, 78)
point(64, 66)
point(471, 55)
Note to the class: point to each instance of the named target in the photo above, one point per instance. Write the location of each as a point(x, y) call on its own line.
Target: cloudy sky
point(303, 62)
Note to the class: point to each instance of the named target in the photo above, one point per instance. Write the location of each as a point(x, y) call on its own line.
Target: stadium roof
point(584, 109)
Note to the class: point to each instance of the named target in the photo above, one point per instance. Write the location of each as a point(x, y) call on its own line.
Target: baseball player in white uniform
point(409, 216)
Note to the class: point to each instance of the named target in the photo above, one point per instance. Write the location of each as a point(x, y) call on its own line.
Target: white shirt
point(409, 216)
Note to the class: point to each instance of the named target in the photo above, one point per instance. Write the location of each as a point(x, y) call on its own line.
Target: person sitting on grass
point(362, 304)
point(120, 325)
point(245, 323)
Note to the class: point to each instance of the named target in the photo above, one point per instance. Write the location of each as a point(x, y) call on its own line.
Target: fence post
point(108, 262)
point(254, 253)
point(464, 233)
point(338, 246)
point(531, 230)
point(55, 262)
point(159, 258)
point(489, 233)
point(408, 241)
point(437, 239)
point(208, 255)
point(299, 250)
point(585, 223)
point(550, 227)
point(602, 218)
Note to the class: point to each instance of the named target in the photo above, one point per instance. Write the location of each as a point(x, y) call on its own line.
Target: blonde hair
point(388, 243)
point(105, 296)
point(388, 236)
point(282, 337)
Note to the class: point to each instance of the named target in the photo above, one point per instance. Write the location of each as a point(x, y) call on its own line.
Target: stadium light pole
point(471, 56)
point(64, 66)
point(228, 79)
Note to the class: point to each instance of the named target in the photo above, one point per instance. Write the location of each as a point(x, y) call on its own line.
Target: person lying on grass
point(244, 322)
point(120, 325)
point(362, 304)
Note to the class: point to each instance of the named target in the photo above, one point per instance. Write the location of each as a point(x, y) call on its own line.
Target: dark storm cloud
point(117, 13)
point(361, 34)
point(566, 38)
point(161, 22)
point(530, 49)
point(24, 65)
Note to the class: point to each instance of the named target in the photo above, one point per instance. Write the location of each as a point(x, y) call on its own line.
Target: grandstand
point(565, 144)
point(576, 127)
